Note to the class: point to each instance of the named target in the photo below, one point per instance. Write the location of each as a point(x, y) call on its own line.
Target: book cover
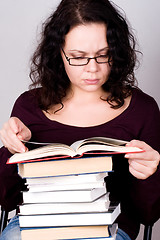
point(57, 167)
point(70, 233)
point(65, 232)
point(80, 232)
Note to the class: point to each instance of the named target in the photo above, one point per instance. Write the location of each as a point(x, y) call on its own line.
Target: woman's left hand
point(144, 164)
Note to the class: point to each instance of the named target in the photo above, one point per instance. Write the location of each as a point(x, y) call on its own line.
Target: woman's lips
point(91, 81)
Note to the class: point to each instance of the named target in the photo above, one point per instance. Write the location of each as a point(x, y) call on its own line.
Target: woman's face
point(86, 41)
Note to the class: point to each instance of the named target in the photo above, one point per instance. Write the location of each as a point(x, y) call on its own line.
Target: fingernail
point(126, 155)
point(23, 150)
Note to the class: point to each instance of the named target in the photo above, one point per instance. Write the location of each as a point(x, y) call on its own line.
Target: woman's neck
point(82, 97)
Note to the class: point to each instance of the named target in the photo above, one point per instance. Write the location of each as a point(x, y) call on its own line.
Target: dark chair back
point(3, 220)
point(147, 232)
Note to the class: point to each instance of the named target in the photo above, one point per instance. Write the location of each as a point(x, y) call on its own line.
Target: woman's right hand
point(12, 134)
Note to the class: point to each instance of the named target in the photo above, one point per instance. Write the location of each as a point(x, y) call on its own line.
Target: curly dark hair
point(47, 68)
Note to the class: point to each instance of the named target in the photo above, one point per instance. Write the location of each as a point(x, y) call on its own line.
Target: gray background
point(20, 24)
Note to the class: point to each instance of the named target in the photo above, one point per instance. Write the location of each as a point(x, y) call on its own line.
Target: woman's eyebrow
point(74, 50)
point(103, 49)
point(80, 51)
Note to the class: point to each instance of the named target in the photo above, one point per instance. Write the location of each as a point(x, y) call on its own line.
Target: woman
point(84, 86)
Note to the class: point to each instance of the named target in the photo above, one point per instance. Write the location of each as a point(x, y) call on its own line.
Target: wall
point(144, 17)
point(20, 22)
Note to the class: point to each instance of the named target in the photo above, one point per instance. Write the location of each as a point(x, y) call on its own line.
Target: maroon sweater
point(140, 199)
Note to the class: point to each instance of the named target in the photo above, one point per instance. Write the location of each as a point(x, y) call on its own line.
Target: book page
point(101, 140)
point(45, 151)
point(77, 144)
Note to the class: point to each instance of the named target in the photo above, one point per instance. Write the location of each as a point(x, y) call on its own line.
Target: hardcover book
point(77, 148)
point(80, 232)
point(100, 205)
point(65, 166)
point(71, 219)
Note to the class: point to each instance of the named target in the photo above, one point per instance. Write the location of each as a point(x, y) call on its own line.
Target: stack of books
point(67, 197)
point(68, 207)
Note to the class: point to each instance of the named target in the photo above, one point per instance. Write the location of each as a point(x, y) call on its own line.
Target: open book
point(78, 148)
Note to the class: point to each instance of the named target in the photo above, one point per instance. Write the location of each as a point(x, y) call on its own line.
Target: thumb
point(140, 144)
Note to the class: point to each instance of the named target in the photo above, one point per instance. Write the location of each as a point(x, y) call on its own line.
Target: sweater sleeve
point(146, 193)
point(11, 183)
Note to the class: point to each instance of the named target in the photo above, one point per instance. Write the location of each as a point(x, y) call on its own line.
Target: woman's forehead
point(83, 37)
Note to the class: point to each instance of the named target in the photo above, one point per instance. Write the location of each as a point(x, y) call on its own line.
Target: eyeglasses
point(81, 61)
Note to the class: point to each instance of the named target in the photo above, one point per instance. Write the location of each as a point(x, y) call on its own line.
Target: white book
point(99, 205)
point(61, 187)
point(85, 195)
point(70, 179)
point(70, 219)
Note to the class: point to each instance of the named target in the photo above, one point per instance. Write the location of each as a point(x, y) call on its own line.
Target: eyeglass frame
point(88, 59)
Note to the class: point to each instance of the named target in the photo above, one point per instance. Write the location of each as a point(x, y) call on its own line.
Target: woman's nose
point(92, 65)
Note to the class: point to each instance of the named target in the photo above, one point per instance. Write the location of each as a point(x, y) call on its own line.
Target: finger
point(9, 135)
point(139, 170)
point(6, 132)
point(147, 157)
point(144, 168)
point(137, 174)
point(141, 144)
point(9, 129)
point(143, 156)
point(15, 132)
point(13, 124)
point(10, 140)
point(140, 165)
point(24, 134)
point(150, 166)
point(148, 152)
point(15, 151)
point(15, 144)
